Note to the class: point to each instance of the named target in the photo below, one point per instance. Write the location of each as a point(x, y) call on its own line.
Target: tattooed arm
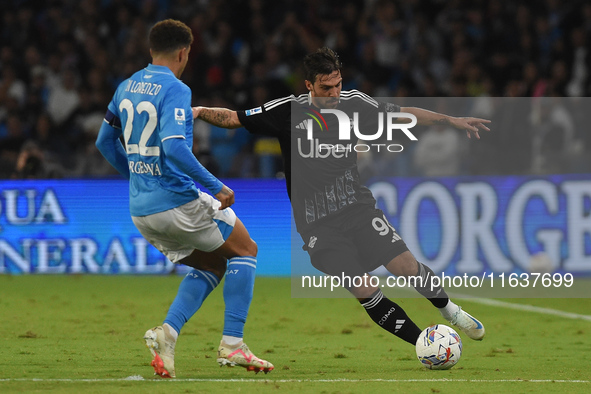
point(425, 117)
point(221, 117)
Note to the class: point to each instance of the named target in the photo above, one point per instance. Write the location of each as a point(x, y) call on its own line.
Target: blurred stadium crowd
point(60, 62)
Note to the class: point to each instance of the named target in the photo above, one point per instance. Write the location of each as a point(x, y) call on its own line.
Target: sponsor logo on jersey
point(316, 150)
point(253, 111)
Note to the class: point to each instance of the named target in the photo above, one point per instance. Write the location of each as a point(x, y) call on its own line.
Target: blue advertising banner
point(457, 225)
point(84, 226)
point(492, 224)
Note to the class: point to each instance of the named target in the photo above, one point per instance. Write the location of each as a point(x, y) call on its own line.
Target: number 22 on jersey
point(141, 148)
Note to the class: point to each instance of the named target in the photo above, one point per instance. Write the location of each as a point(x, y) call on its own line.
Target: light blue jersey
point(153, 106)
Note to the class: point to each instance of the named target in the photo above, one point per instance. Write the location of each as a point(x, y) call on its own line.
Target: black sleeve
point(269, 122)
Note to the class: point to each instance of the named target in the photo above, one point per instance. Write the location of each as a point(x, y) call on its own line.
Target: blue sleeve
point(176, 117)
point(110, 146)
point(178, 152)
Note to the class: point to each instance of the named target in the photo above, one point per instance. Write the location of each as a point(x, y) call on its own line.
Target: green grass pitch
point(84, 334)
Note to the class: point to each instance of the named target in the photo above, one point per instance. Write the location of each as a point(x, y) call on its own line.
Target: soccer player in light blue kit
point(152, 109)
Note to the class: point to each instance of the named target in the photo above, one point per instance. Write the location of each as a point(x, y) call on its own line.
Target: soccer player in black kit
point(335, 214)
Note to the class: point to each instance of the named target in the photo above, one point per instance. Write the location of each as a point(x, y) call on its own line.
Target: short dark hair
point(324, 61)
point(169, 35)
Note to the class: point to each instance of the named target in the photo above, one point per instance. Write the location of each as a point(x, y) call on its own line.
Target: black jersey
point(321, 172)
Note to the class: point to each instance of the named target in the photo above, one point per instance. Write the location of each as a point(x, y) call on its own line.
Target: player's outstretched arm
point(472, 126)
point(221, 117)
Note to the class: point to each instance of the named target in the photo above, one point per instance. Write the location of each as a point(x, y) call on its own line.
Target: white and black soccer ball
point(439, 347)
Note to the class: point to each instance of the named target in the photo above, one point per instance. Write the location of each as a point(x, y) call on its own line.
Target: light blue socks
point(238, 289)
point(193, 290)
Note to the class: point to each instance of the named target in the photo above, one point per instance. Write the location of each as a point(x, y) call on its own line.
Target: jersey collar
point(159, 69)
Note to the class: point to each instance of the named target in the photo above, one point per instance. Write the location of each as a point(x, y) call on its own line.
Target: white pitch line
point(264, 380)
point(529, 308)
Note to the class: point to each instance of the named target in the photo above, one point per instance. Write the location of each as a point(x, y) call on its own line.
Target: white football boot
point(161, 344)
point(243, 357)
point(468, 324)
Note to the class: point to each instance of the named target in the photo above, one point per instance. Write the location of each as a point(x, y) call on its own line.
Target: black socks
point(391, 317)
point(436, 295)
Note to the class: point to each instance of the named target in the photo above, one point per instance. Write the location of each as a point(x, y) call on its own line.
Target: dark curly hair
point(322, 62)
point(169, 35)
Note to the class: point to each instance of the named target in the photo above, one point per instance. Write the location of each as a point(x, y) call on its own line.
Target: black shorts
point(353, 243)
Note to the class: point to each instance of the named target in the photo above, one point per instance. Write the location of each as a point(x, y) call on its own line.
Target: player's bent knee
point(238, 246)
point(247, 248)
point(403, 265)
point(239, 243)
point(253, 248)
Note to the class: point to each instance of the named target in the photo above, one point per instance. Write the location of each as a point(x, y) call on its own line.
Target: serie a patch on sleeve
point(253, 111)
point(179, 114)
